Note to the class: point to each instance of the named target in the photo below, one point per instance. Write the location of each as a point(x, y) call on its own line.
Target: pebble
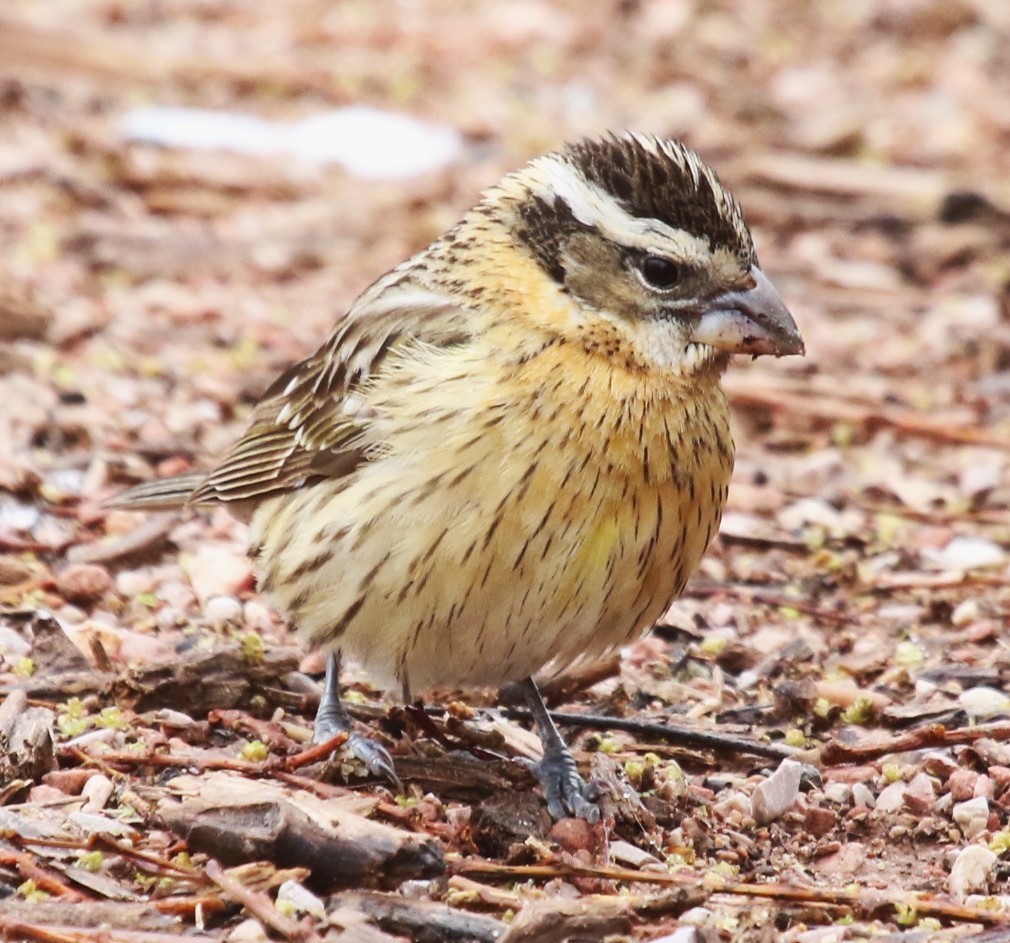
point(971, 870)
point(222, 610)
point(168, 617)
point(819, 821)
point(891, 798)
point(97, 791)
point(257, 616)
point(215, 570)
point(967, 553)
point(863, 795)
point(840, 793)
point(983, 701)
point(130, 583)
point(69, 781)
point(966, 612)
point(681, 935)
point(83, 582)
point(248, 931)
point(302, 899)
point(961, 784)
point(972, 817)
point(695, 917)
point(13, 644)
point(920, 796)
point(777, 794)
point(849, 859)
point(1000, 775)
point(571, 834)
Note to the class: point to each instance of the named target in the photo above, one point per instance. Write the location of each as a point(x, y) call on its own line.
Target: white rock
point(971, 816)
point(840, 793)
point(891, 798)
point(372, 144)
point(695, 917)
point(681, 935)
point(863, 795)
point(216, 570)
point(966, 553)
point(983, 701)
point(257, 616)
point(222, 610)
point(777, 794)
point(302, 899)
point(97, 791)
point(248, 931)
point(971, 870)
point(966, 612)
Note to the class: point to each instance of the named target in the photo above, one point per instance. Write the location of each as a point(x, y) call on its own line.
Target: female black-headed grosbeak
point(514, 449)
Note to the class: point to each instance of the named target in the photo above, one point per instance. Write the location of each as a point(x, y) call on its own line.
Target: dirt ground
point(157, 778)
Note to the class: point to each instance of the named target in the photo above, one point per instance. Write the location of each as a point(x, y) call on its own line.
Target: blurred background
point(192, 191)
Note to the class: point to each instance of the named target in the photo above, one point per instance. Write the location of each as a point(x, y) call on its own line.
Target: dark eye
point(658, 272)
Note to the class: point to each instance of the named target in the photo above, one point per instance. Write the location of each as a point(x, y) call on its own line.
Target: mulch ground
point(157, 778)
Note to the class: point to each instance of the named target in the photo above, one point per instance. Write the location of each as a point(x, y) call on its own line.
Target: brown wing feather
point(302, 428)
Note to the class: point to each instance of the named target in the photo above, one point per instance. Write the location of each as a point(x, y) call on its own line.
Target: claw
point(376, 757)
point(332, 719)
point(565, 791)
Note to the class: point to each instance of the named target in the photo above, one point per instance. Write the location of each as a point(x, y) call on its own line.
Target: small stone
point(961, 784)
point(256, 616)
point(97, 791)
point(83, 582)
point(863, 795)
point(972, 817)
point(840, 793)
point(820, 821)
point(777, 794)
point(222, 610)
point(14, 570)
point(301, 899)
point(571, 834)
point(983, 701)
point(131, 583)
point(920, 796)
point(215, 570)
point(1000, 775)
point(849, 859)
point(966, 612)
point(971, 870)
point(891, 798)
point(967, 553)
point(69, 781)
point(248, 931)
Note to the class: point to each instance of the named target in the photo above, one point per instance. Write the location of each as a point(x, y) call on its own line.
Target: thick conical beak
point(751, 321)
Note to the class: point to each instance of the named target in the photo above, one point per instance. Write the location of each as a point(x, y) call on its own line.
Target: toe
point(376, 757)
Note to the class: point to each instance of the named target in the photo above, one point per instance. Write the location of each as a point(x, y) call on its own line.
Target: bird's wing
point(308, 424)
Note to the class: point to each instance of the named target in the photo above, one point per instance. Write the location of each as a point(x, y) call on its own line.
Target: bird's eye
point(659, 272)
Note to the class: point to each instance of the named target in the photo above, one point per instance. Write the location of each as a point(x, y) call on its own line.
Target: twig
point(13, 928)
point(260, 906)
point(44, 880)
point(754, 594)
point(835, 753)
point(865, 900)
point(671, 733)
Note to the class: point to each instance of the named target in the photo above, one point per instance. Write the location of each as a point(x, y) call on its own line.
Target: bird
point(513, 450)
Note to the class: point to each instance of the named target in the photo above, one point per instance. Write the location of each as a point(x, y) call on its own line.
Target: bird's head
point(641, 234)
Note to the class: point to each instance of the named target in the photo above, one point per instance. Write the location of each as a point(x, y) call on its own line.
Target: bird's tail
point(162, 494)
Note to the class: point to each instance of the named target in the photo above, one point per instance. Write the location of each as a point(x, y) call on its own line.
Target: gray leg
point(332, 719)
point(566, 792)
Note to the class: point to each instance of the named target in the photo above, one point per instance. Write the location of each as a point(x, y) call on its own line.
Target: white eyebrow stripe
point(591, 206)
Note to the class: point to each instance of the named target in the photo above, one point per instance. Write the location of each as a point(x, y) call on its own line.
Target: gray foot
point(332, 719)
